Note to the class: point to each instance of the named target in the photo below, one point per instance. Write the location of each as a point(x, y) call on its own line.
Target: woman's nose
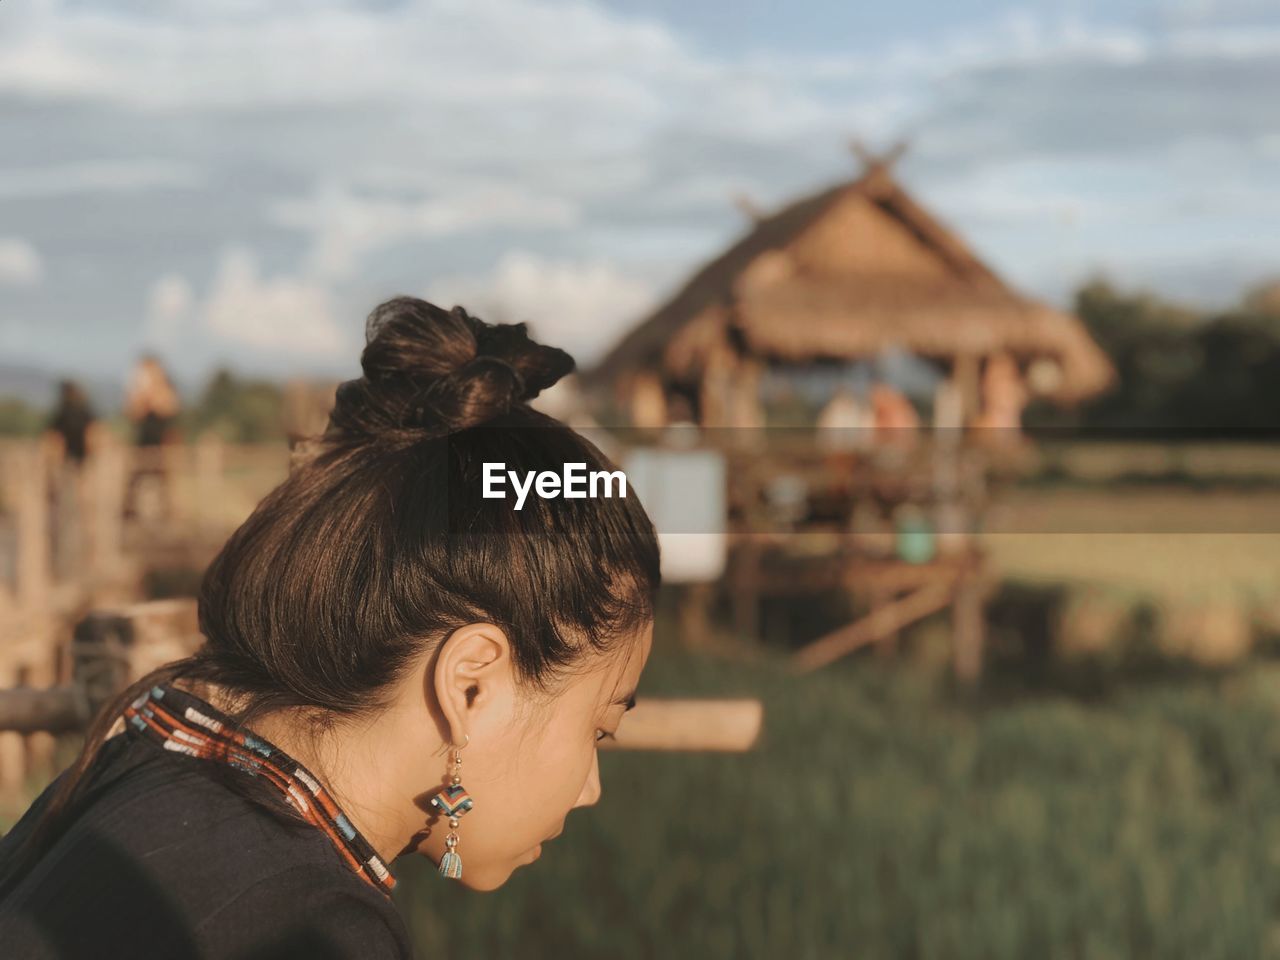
point(591, 788)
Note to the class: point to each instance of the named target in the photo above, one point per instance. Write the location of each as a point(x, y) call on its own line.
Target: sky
point(240, 182)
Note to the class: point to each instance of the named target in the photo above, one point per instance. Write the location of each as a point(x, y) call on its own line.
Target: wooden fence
point(111, 648)
point(76, 538)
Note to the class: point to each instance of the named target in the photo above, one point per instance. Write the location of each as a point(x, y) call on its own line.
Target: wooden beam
point(672, 724)
point(877, 161)
point(862, 152)
point(895, 152)
point(754, 212)
point(887, 643)
point(114, 647)
point(56, 710)
point(878, 623)
point(654, 724)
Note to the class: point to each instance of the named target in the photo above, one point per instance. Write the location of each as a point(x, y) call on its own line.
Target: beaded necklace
point(182, 722)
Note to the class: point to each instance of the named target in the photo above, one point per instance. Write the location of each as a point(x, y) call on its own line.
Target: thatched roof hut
point(842, 275)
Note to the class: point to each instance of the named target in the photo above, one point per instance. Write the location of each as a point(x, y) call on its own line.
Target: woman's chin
point(528, 857)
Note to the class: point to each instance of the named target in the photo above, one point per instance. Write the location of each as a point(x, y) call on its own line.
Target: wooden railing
point(111, 648)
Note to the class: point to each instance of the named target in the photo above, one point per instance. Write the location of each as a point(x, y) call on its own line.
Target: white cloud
point(280, 314)
point(510, 55)
point(169, 306)
point(346, 226)
point(265, 52)
point(1199, 13)
point(97, 176)
point(579, 306)
point(365, 126)
point(20, 262)
point(1229, 43)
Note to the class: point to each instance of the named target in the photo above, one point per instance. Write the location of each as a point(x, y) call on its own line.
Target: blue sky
point(241, 181)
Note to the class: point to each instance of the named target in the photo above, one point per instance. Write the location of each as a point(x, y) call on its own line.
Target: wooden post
point(178, 496)
point(210, 463)
point(948, 408)
point(746, 587)
point(8, 608)
point(40, 745)
point(107, 479)
point(968, 629)
point(647, 401)
point(746, 412)
point(694, 615)
point(29, 491)
point(716, 389)
point(27, 471)
point(967, 373)
point(887, 642)
point(13, 750)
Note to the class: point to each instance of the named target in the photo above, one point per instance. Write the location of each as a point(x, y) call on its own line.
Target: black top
point(166, 861)
point(152, 429)
point(72, 422)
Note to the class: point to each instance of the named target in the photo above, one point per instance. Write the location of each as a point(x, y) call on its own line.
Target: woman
point(374, 622)
point(70, 436)
point(152, 404)
point(151, 401)
point(71, 425)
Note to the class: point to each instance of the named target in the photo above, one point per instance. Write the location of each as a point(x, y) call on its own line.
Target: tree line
point(1181, 371)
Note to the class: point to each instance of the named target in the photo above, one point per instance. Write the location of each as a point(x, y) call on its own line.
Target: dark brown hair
point(379, 543)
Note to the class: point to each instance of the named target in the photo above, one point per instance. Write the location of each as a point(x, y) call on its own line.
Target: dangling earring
point(453, 802)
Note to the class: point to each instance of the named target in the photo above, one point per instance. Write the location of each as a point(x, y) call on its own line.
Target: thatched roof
point(843, 274)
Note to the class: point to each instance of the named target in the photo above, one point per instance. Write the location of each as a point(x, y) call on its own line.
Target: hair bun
point(480, 390)
point(428, 369)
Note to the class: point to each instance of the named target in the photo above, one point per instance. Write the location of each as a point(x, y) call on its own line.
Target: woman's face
point(526, 771)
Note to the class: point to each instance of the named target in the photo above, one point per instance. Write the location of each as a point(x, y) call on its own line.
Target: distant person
point(69, 438)
point(375, 619)
point(845, 422)
point(151, 402)
point(152, 405)
point(1004, 395)
point(894, 416)
point(70, 426)
point(648, 403)
point(680, 413)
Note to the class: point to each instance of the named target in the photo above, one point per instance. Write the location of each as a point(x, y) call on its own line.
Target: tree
point(239, 410)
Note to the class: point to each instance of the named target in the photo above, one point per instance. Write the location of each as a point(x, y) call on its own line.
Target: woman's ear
point(473, 679)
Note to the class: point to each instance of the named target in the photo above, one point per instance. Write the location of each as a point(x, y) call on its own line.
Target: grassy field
point(1183, 564)
point(1202, 565)
point(883, 816)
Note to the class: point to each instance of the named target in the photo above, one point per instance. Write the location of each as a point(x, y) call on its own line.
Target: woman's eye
point(603, 735)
